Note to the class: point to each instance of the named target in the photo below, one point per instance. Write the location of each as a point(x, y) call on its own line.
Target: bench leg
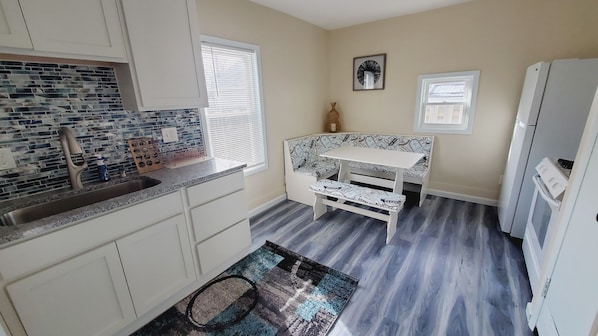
point(319, 207)
point(391, 226)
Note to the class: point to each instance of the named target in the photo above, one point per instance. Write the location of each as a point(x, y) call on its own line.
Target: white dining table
point(391, 158)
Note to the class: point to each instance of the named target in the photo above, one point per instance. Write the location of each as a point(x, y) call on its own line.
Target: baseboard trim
point(462, 197)
point(261, 208)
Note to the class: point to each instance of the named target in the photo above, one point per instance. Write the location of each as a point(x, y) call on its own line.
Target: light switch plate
point(170, 135)
point(6, 159)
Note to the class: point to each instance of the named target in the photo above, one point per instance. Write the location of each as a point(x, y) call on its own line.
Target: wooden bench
point(379, 199)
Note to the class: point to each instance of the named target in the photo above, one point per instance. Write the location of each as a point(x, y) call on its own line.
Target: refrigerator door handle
point(544, 193)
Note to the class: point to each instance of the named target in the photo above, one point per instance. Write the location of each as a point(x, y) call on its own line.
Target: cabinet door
point(81, 27)
point(13, 31)
point(157, 262)
point(165, 51)
point(86, 295)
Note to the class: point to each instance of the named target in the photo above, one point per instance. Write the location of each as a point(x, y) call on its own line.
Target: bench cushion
point(319, 169)
point(373, 197)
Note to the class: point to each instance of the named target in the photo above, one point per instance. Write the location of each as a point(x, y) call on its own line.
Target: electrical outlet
point(169, 135)
point(6, 159)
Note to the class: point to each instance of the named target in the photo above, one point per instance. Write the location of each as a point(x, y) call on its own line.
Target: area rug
point(272, 291)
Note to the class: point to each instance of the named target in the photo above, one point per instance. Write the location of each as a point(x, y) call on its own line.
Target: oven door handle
point(544, 192)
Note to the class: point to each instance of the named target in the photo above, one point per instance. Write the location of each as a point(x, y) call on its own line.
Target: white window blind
point(446, 102)
point(234, 119)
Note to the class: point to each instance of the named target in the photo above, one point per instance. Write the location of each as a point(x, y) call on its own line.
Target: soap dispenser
point(103, 174)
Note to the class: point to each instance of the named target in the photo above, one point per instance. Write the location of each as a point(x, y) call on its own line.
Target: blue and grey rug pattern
point(295, 296)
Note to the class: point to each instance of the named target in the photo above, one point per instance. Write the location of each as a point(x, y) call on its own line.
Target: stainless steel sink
point(53, 207)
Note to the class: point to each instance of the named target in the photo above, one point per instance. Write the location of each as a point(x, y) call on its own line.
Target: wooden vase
point(333, 120)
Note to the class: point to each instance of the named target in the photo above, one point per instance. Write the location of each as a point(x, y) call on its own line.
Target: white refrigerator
point(555, 102)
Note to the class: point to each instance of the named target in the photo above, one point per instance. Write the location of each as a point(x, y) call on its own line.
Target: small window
point(446, 102)
point(234, 121)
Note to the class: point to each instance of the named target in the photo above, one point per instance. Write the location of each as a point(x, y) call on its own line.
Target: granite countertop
point(171, 180)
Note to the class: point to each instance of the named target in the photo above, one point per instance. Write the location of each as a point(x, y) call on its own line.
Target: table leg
point(398, 187)
point(343, 172)
point(343, 176)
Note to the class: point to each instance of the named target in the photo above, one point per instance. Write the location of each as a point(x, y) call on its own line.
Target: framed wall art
point(368, 72)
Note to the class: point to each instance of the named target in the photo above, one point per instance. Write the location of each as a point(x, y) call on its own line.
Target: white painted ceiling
point(334, 14)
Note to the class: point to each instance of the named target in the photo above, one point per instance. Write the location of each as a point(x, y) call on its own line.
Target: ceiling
point(334, 14)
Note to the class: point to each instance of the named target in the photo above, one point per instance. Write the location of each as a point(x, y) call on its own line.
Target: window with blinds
point(446, 102)
point(234, 120)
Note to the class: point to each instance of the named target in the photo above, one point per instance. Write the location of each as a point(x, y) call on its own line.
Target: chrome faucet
point(71, 148)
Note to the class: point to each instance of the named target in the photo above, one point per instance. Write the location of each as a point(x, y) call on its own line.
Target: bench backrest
point(406, 143)
point(302, 150)
point(306, 149)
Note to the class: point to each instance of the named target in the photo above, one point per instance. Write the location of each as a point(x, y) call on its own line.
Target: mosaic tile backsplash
point(36, 99)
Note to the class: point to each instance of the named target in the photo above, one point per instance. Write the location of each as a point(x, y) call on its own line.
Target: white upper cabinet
point(82, 27)
point(165, 69)
point(79, 29)
point(13, 31)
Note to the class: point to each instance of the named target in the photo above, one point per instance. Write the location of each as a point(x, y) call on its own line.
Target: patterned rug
point(272, 291)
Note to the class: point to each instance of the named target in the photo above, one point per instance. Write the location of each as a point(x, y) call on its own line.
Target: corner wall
point(499, 37)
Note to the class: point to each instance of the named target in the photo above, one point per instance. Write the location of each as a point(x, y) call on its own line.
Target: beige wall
point(499, 37)
point(305, 67)
point(294, 75)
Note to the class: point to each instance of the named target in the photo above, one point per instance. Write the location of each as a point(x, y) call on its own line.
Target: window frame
point(204, 119)
point(424, 81)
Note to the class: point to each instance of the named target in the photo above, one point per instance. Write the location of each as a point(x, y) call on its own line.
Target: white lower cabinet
point(112, 274)
point(157, 262)
point(86, 295)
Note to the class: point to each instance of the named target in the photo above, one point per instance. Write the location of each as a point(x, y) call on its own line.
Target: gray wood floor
point(449, 270)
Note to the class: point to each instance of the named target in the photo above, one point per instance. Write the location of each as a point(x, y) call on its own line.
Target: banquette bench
point(304, 166)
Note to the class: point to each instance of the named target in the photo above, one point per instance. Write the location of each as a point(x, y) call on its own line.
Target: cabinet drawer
point(223, 246)
point(213, 217)
point(213, 189)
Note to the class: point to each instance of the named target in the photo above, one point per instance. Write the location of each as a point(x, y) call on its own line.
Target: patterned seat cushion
point(319, 169)
point(373, 197)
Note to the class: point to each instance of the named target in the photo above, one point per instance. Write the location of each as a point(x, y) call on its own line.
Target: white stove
point(550, 186)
